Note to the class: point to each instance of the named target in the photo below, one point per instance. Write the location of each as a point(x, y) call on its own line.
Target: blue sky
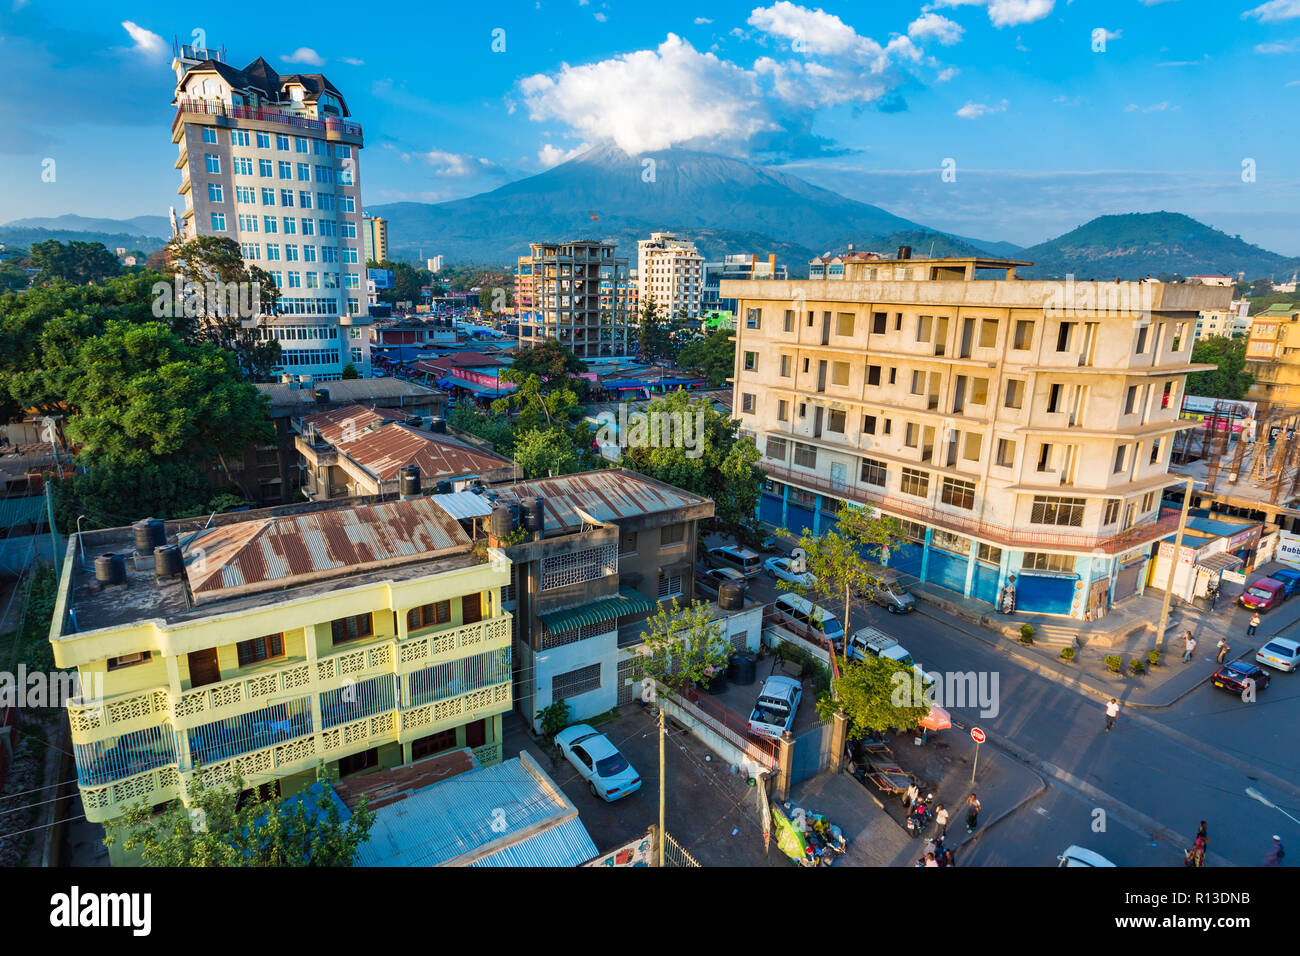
point(1051, 111)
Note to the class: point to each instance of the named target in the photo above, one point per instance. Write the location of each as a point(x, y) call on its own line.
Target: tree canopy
point(1230, 380)
point(713, 356)
point(683, 645)
point(876, 695)
point(74, 262)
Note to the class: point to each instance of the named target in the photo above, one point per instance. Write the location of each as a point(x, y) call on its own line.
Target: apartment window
point(263, 140)
point(672, 534)
point(304, 172)
point(839, 373)
point(308, 227)
point(1111, 514)
point(265, 168)
point(1142, 339)
point(782, 410)
point(835, 421)
point(873, 374)
point(910, 434)
point(285, 169)
point(1044, 457)
point(1155, 450)
point(805, 456)
point(212, 162)
point(874, 472)
point(747, 403)
point(215, 193)
point(898, 321)
point(893, 375)
point(286, 197)
point(785, 366)
point(777, 448)
point(1167, 398)
point(575, 682)
point(1015, 397)
point(239, 137)
point(844, 323)
point(1063, 334)
point(218, 222)
point(915, 482)
point(788, 325)
point(979, 392)
point(1041, 561)
point(428, 615)
point(924, 328)
point(959, 494)
point(1024, 335)
point(627, 543)
point(260, 649)
point(971, 446)
point(918, 383)
point(301, 144)
point(209, 135)
point(352, 628)
point(988, 554)
point(669, 585)
point(1120, 455)
point(878, 320)
point(753, 318)
point(1067, 512)
point(868, 424)
point(806, 365)
point(268, 196)
point(751, 361)
point(1130, 399)
point(1006, 452)
point(304, 199)
point(281, 142)
point(988, 333)
point(130, 660)
point(889, 424)
point(1148, 500)
point(1054, 397)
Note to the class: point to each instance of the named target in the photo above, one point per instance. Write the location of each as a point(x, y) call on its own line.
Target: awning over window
point(606, 609)
point(1220, 561)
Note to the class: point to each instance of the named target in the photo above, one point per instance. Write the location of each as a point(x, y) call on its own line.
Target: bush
point(1154, 657)
point(1067, 654)
point(554, 718)
point(1026, 633)
point(1137, 665)
point(1113, 663)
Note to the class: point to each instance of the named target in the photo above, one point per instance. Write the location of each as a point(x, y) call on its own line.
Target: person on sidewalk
point(1275, 853)
point(941, 819)
point(972, 812)
point(1112, 711)
point(1223, 649)
point(1254, 623)
point(1189, 647)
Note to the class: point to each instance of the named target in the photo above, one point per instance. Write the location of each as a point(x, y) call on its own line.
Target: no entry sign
point(977, 735)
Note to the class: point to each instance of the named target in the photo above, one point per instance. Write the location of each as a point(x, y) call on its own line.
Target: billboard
point(1288, 549)
point(382, 278)
point(1201, 405)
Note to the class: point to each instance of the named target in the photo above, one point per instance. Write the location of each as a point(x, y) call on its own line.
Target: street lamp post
point(1173, 563)
point(1256, 795)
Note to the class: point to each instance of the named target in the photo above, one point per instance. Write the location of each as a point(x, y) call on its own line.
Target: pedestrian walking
point(930, 860)
point(1112, 711)
point(1275, 853)
point(972, 812)
point(1223, 649)
point(941, 819)
point(1254, 623)
point(1189, 647)
point(1202, 833)
point(1196, 855)
point(910, 795)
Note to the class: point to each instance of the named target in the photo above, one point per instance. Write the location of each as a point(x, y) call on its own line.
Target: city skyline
point(1066, 113)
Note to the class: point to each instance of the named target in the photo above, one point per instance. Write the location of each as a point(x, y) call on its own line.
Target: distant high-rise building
point(670, 271)
point(272, 162)
point(374, 233)
point(577, 292)
point(744, 266)
point(433, 263)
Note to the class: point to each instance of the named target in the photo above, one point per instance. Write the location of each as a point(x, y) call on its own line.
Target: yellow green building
point(260, 644)
point(1273, 355)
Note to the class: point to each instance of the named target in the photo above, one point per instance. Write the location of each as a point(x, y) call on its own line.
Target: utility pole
point(1173, 564)
point(663, 835)
point(54, 540)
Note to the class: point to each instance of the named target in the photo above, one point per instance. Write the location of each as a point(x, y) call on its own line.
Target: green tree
point(718, 463)
point(307, 830)
point(350, 371)
point(653, 333)
point(13, 276)
point(544, 452)
point(683, 645)
point(111, 493)
point(551, 362)
point(876, 695)
point(493, 428)
point(713, 356)
point(77, 263)
point(835, 558)
point(1230, 380)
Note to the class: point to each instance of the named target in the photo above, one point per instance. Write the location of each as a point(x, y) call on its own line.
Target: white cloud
point(549, 155)
point(812, 32)
point(976, 110)
point(452, 165)
point(146, 42)
point(701, 21)
point(1108, 35)
point(353, 61)
point(1274, 10)
point(1285, 46)
point(945, 75)
point(304, 54)
point(1160, 107)
point(933, 26)
point(1004, 13)
point(601, 17)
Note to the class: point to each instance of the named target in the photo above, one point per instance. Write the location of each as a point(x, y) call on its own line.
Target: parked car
point(888, 591)
point(1233, 676)
point(1080, 856)
point(709, 581)
point(867, 642)
point(778, 702)
point(743, 560)
point(598, 761)
point(770, 544)
point(1280, 653)
point(783, 570)
point(810, 617)
point(1263, 595)
point(1290, 579)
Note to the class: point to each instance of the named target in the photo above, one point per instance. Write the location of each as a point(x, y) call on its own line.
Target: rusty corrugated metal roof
point(350, 421)
point(605, 495)
point(276, 552)
point(385, 450)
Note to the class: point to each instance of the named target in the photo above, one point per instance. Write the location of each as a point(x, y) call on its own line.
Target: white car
point(1079, 856)
point(778, 703)
point(782, 570)
point(1280, 653)
point(606, 771)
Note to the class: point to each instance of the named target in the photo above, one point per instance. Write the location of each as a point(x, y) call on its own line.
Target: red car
point(1263, 595)
point(1233, 676)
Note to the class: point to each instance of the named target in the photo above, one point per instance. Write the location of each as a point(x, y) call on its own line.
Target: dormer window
point(296, 94)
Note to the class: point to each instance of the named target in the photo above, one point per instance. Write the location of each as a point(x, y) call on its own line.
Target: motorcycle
point(918, 819)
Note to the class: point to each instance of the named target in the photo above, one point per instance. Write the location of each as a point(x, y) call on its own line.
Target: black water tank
point(110, 568)
point(741, 669)
point(503, 521)
point(438, 425)
point(167, 561)
point(149, 534)
point(442, 488)
point(904, 252)
point(322, 396)
point(532, 514)
point(414, 421)
point(410, 481)
point(731, 595)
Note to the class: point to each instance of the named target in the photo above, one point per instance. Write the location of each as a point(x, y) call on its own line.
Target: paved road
point(1154, 788)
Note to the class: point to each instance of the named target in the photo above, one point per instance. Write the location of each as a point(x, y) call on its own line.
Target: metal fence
point(731, 726)
point(233, 736)
point(675, 854)
point(103, 761)
point(453, 678)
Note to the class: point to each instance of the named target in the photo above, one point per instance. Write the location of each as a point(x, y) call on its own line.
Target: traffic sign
point(977, 735)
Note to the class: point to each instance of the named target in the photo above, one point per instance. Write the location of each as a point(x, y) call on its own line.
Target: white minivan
point(747, 562)
point(807, 615)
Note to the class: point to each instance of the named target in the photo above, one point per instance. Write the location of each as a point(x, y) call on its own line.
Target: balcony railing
point(210, 107)
point(1003, 535)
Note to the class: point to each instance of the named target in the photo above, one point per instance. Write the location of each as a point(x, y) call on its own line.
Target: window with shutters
point(575, 682)
point(260, 649)
point(352, 628)
point(670, 585)
point(428, 615)
point(672, 534)
point(1066, 512)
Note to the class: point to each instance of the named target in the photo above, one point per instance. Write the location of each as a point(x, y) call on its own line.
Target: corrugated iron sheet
point(568, 844)
point(351, 421)
point(384, 451)
point(276, 551)
point(605, 495)
point(463, 505)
